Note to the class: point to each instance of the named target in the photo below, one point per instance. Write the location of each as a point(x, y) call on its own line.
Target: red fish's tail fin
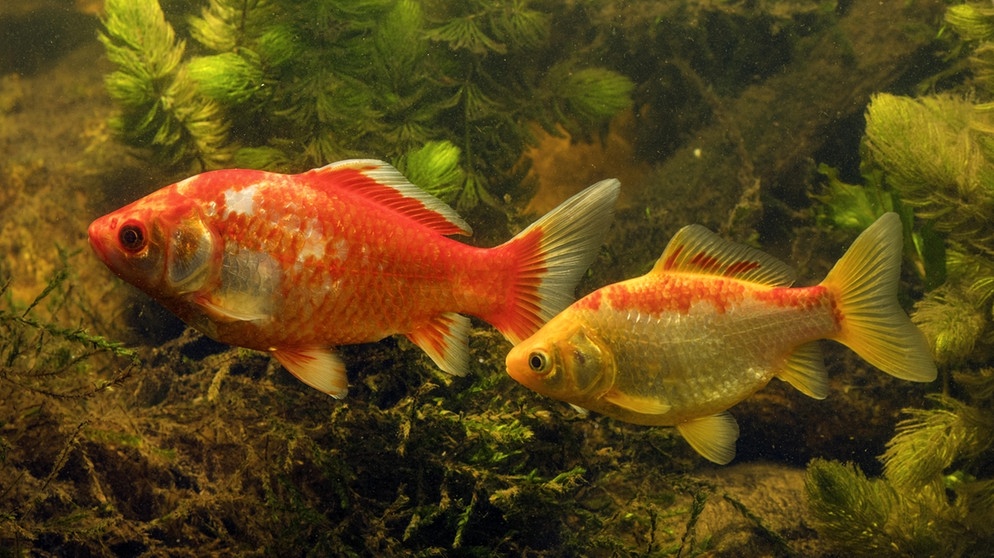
point(551, 256)
point(873, 324)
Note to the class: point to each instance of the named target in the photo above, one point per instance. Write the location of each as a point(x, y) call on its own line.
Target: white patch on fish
point(182, 185)
point(241, 202)
point(314, 243)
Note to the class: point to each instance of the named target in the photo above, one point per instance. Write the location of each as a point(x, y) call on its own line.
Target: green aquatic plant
point(974, 23)
point(933, 499)
point(946, 173)
point(49, 363)
point(40, 355)
point(932, 159)
point(854, 207)
point(160, 109)
point(288, 85)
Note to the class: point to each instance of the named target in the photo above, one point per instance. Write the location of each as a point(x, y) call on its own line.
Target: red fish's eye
point(132, 237)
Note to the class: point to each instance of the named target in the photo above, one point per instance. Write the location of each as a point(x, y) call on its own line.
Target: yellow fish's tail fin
point(550, 257)
point(873, 324)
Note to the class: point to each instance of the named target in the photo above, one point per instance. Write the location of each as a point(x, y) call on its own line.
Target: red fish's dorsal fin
point(695, 249)
point(382, 184)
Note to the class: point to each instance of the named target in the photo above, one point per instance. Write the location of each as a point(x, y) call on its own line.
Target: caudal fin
point(552, 255)
point(874, 325)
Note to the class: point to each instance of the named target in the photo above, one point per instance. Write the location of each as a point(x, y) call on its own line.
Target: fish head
point(160, 244)
point(564, 360)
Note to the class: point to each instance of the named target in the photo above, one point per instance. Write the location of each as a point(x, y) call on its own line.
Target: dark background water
point(200, 449)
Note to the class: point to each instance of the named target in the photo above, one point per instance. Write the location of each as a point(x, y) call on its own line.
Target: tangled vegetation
point(932, 158)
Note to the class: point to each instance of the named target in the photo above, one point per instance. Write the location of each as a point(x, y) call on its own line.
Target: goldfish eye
point(538, 361)
point(132, 238)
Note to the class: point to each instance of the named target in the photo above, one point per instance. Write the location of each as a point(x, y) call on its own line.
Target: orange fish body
point(348, 253)
point(711, 324)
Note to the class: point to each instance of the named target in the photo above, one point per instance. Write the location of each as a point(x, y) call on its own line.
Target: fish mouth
point(97, 238)
point(512, 361)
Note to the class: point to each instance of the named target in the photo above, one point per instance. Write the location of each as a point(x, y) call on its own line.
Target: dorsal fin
point(695, 249)
point(382, 184)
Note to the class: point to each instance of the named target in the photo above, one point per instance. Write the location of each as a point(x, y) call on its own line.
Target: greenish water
point(124, 433)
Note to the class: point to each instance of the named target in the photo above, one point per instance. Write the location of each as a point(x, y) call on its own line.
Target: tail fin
point(552, 255)
point(865, 282)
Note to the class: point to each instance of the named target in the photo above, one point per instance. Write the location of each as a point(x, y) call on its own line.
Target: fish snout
point(99, 235)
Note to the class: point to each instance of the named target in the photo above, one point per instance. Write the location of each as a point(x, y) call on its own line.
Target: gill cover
point(590, 367)
point(191, 249)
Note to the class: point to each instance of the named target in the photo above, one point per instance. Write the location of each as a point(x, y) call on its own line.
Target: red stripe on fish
point(674, 293)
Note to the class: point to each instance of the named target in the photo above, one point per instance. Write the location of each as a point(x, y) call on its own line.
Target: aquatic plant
point(40, 355)
point(160, 108)
point(933, 158)
point(48, 363)
point(287, 85)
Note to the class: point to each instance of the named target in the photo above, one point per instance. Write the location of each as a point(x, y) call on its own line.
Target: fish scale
point(712, 323)
point(416, 286)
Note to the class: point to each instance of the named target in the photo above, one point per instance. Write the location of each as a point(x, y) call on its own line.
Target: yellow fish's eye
point(538, 361)
point(132, 237)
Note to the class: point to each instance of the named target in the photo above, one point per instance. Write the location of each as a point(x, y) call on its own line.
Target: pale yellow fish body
point(713, 323)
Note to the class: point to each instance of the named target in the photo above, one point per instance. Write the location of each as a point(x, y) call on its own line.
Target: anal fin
point(805, 370)
point(317, 367)
point(446, 340)
point(584, 413)
point(712, 436)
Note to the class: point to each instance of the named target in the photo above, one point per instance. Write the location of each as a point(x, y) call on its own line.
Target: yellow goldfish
point(711, 324)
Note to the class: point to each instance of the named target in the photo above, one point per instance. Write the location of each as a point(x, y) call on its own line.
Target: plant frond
point(927, 443)
point(467, 34)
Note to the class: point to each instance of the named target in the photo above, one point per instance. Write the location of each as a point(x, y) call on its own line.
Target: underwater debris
point(284, 85)
point(45, 367)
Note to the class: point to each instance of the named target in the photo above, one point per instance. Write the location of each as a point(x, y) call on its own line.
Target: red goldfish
point(349, 253)
point(711, 324)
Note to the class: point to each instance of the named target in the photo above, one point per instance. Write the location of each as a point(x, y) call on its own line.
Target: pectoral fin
point(446, 340)
point(223, 309)
point(713, 436)
point(319, 368)
point(644, 405)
